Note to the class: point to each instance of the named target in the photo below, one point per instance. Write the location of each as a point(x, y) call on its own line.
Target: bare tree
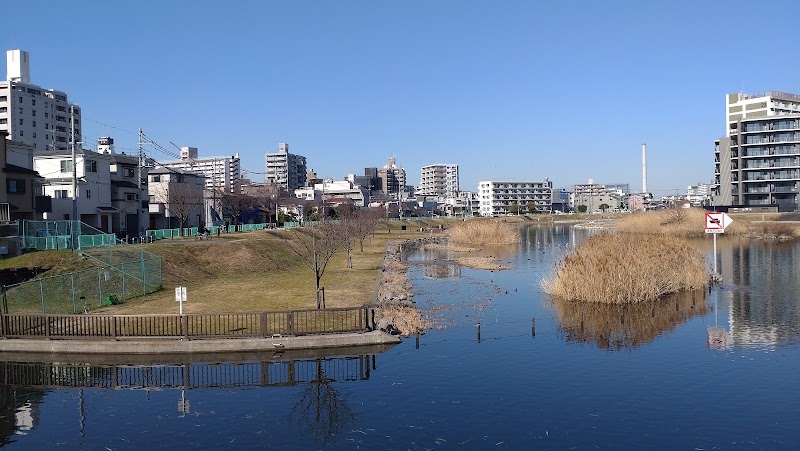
point(236, 204)
point(181, 200)
point(315, 246)
point(365, 223)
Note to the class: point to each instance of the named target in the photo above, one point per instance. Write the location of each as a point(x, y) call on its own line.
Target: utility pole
point(75, 218)
point(139, 178)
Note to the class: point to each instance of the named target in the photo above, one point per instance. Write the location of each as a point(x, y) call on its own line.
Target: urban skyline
point(567, 91)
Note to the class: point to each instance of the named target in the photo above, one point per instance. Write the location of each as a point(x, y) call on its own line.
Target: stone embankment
point(396, 310)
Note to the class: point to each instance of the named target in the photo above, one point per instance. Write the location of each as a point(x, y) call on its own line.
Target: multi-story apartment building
point(740, 106)
point(439, 180)
point(392, 179)
point(34, 115)
point(594, 195)
point(287, 170)
point(222, 174)
point(758, 163)
point(498, 197)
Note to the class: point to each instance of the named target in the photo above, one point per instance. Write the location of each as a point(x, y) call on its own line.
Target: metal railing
point(188, 326)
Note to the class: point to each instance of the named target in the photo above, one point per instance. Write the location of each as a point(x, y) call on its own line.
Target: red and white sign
point(716, 222)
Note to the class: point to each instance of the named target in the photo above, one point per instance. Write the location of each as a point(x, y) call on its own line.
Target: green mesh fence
point(47, 235)
point(122, 272)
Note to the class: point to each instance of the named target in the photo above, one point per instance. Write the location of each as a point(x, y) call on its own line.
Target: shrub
point(773, 229)
point(482, 232)
point(615, 268)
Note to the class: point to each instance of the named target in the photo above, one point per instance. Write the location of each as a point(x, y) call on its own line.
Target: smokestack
point(644, 168)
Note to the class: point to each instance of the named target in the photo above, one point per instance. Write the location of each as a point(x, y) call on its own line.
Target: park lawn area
point(253, 271)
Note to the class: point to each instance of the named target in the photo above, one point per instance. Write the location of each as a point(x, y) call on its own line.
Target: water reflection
point(438, 263)
point(322, 408)
point(616, 327)
point(764, 309)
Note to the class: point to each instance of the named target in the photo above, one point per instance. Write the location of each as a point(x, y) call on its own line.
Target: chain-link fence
point(122, 272)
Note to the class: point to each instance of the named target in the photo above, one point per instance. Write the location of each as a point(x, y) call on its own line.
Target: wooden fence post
point(263, 324)
point(290, 323)
point(185, 327)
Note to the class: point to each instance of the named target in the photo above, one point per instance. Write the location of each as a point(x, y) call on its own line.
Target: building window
point(60, 194)
point(128, 172)
point(33, 102)
point(15, 186)
point(45, 114)
point(34, 135)
point(33, 123)
point(3, 98)
point(156, 178)
point(3, 121)
point(130, 196)
point(88, 194)
point(152, 198)
point(91, 166)
point(33, 112)
point(66, 165)
point(20, 99)
point(20, 122)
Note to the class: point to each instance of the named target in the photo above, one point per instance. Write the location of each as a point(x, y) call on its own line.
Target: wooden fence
point(189, 326)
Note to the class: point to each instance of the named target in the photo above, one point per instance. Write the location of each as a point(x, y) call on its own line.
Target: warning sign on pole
point(717, 221)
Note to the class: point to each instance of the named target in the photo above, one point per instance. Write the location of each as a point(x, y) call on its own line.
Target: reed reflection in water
point(617, 327)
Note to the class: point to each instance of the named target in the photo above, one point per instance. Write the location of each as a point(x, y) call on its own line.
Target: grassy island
point(617, 268)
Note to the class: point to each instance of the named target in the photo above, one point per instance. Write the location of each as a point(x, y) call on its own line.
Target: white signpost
point(180, 297)
point(716, 223)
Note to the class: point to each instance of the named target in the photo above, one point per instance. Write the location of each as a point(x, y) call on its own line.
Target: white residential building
point(287, 170)
point(740, 106)
point(439, 180)
point(498, 197)
point(174, 193)
point(700, 194)
point(128, 192)
point(329, 190)
point(34, 115)
point(94, 180)
point(222, 174)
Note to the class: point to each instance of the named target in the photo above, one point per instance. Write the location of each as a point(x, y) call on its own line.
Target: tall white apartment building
point(222, 174)
point(439, 180)
point(497, 197)
point(34, 115)
point(287, 170)
point(740, 106)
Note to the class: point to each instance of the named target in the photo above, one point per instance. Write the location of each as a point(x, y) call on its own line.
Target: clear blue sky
point(506, 89)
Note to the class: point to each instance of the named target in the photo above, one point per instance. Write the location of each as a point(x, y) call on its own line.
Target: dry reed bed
point(483, 263)
point(683, 222)
point(618, 269)
point(484, 232)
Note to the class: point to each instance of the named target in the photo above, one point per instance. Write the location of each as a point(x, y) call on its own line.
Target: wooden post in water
point(417, 340)
point(533, 327)
point(479, 332)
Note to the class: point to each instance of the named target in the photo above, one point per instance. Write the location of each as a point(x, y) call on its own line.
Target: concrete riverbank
point(202, 346)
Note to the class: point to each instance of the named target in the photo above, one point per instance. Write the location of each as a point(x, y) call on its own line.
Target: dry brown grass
point(683, 222)
point(481, 232)
point(616, 269)
point(773, 229)
point(484, 263)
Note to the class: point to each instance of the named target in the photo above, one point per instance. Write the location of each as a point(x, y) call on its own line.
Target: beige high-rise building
point(439, 180)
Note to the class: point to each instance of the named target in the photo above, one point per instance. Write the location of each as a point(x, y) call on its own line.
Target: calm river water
point(713, 370)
